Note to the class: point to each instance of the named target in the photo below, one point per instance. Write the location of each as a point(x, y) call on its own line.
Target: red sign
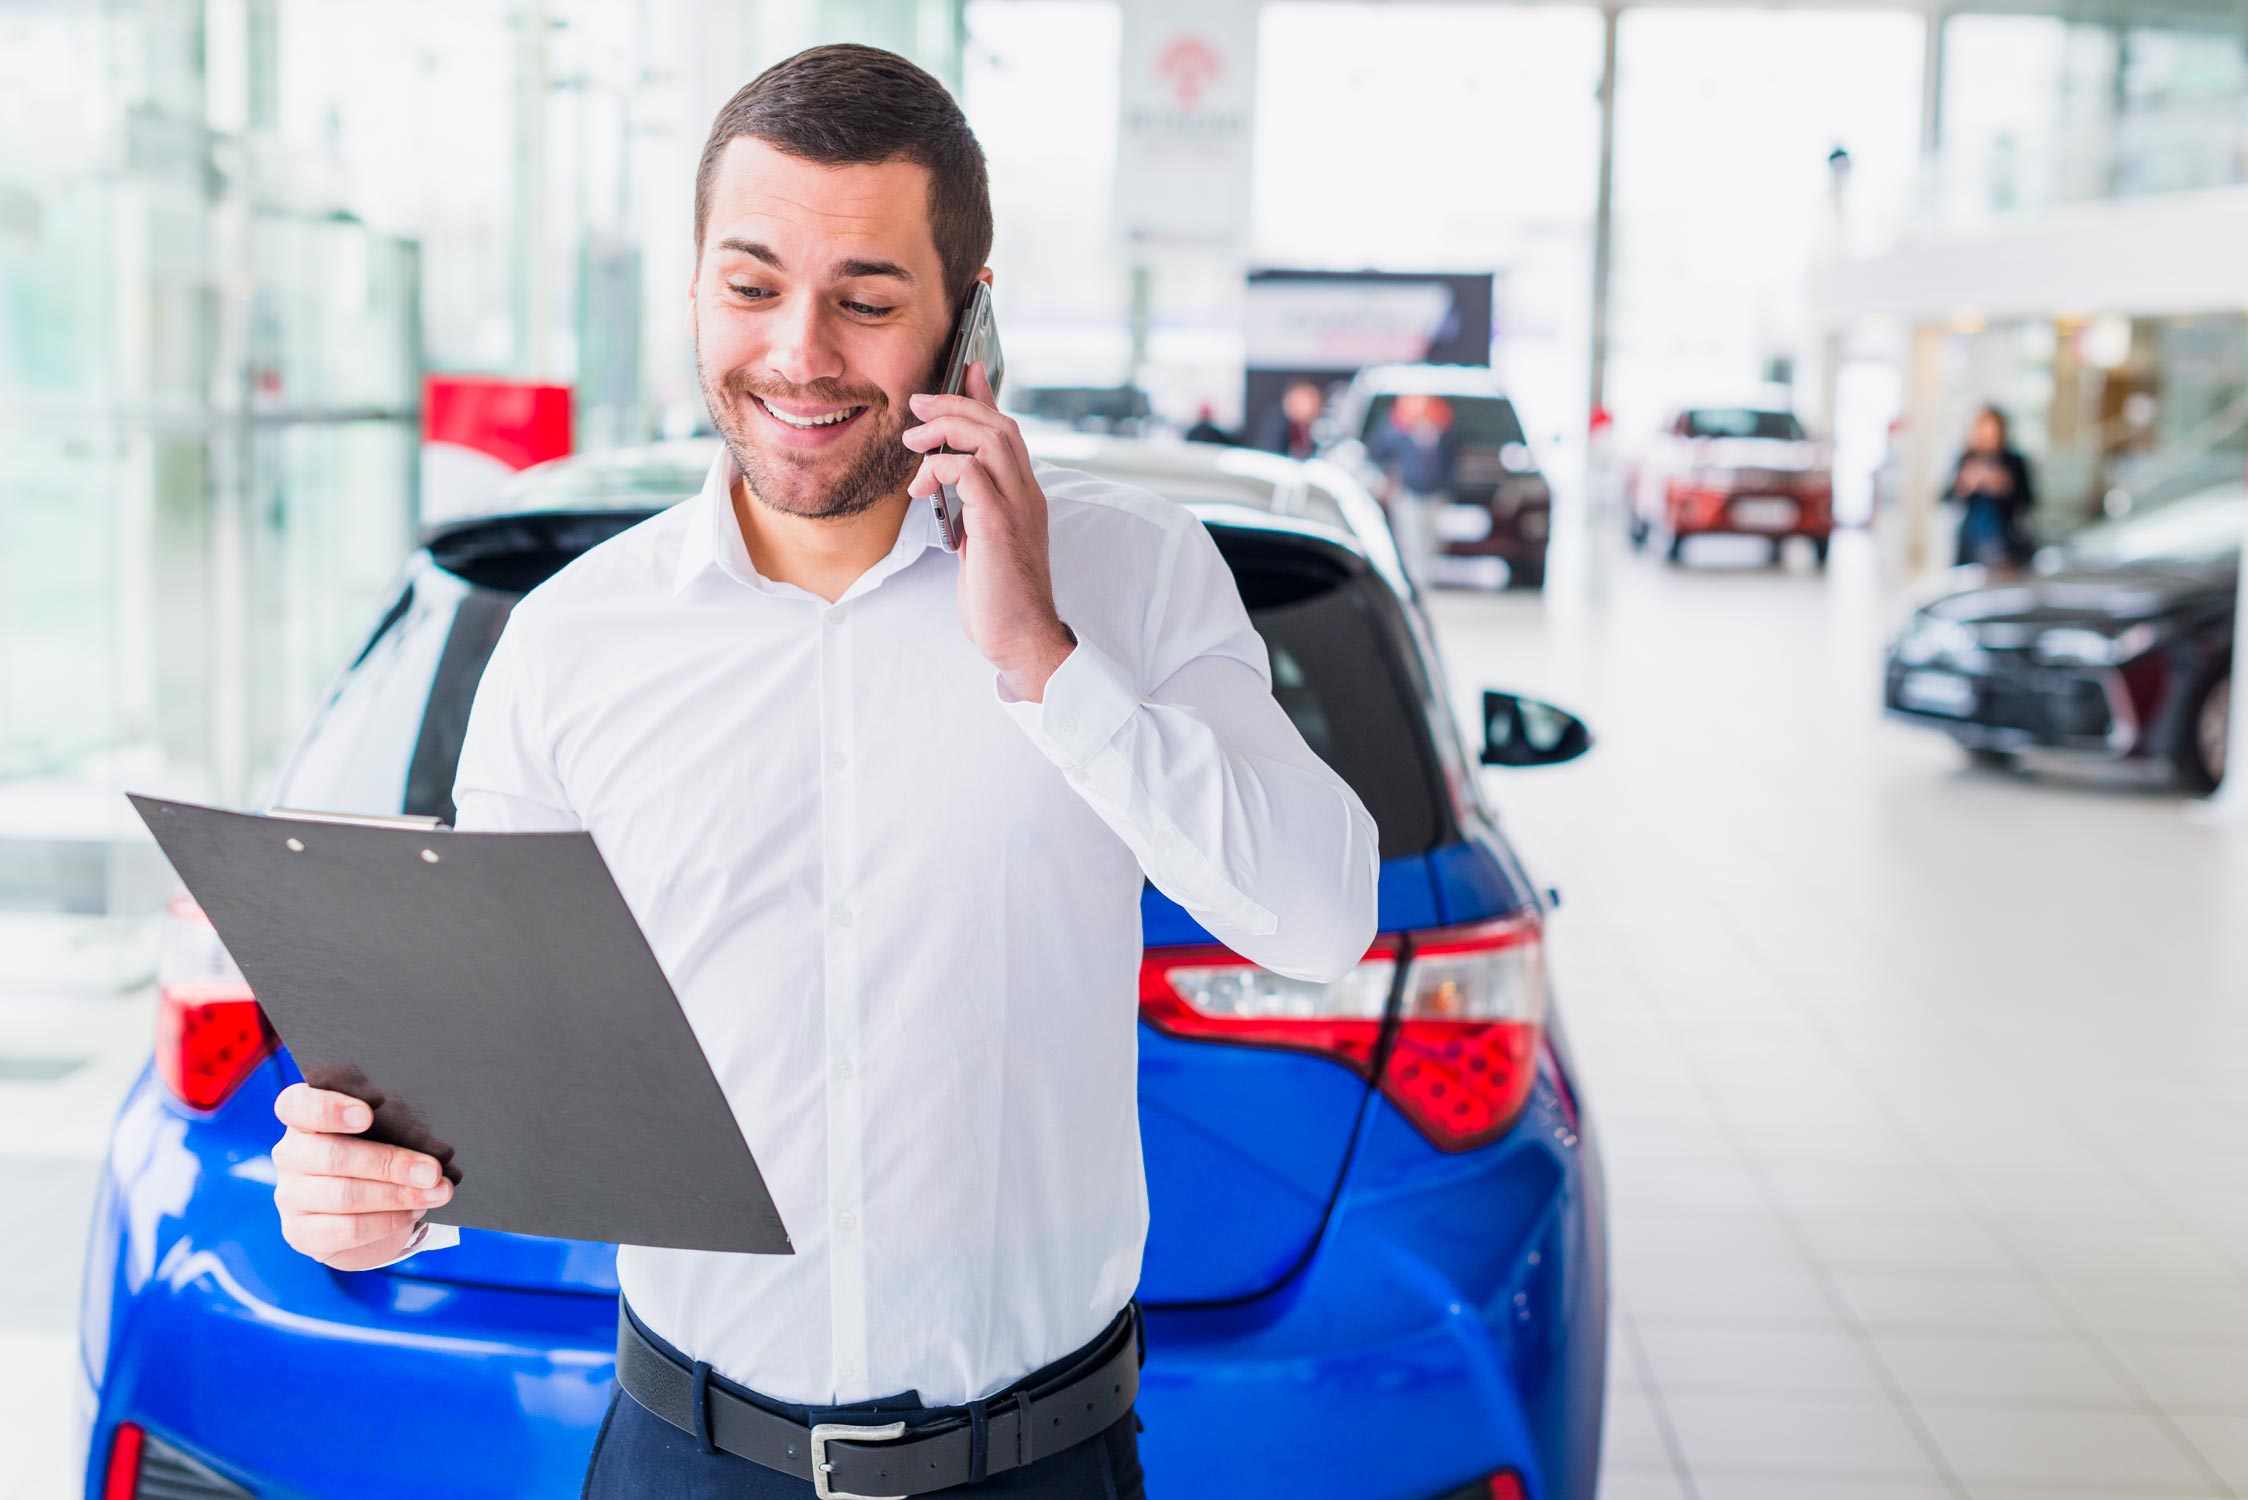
point(515, 421)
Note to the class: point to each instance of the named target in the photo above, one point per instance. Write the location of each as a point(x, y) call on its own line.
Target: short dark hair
point(850, 105)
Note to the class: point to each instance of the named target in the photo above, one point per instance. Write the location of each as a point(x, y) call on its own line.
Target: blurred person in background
point(1207, 430)
point(1992, 485)
point(1287, 431)
point(1416, 451)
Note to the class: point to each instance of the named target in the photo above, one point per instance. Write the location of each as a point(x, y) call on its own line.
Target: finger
point(305, 1194)
point(1000, 446)
point(322, 1155)
point(978, 384)
point(322, 1235)
point(947, 468)
point(300, 1106)
point(985, 508)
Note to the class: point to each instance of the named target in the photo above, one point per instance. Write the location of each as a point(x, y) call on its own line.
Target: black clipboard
point(491, 998)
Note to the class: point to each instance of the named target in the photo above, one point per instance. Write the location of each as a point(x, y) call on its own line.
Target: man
point(884, 813)
point(1416, 451)
point(1287, 428)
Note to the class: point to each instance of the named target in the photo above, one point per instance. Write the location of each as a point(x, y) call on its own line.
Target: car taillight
point(1470, 1018)
point(210, 1032)
point(122, 1478)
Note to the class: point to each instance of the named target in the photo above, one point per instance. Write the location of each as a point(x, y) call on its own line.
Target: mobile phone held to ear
point(975, 339)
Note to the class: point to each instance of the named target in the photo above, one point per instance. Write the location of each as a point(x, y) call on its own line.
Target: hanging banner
point(1187, 104)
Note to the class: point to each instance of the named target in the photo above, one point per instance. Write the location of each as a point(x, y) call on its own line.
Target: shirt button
point(839, 914)
point(837, 760)
point(837, 615)
point(1065, 727)
point(843, 1068)
point(846, 1221)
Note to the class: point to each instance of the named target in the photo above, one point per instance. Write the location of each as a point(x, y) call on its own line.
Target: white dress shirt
point(901, 908)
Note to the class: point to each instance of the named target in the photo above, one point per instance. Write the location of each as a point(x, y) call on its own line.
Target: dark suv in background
point(1500, 508)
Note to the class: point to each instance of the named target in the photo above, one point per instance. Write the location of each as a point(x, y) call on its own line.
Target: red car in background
point(1733, 470)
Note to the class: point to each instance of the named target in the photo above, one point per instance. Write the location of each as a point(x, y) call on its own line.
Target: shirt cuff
point(1087, 700)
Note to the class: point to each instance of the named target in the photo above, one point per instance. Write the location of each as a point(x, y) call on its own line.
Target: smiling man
point(884, 812)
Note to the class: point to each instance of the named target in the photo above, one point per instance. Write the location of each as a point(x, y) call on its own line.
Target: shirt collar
point(713, 539)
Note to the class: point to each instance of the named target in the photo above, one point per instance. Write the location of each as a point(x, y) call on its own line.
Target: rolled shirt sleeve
point(1205, 778)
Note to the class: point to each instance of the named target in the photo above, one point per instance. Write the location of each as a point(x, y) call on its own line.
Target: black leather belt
point(888, 1461)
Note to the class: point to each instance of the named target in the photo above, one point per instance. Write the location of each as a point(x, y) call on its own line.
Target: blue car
point(1377, 1266)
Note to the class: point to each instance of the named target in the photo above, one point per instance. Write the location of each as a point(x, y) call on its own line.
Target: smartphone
point(975, 339)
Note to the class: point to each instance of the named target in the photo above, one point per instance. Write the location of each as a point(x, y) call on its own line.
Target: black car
point(2118, 646)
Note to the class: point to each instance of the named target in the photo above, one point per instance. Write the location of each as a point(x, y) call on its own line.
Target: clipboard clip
point(419, 822)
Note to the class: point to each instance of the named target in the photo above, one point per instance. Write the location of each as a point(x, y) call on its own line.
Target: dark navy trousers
point(640, 1456)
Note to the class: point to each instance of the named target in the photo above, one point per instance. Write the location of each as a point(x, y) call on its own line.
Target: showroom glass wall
point(234, 235)
point(2114, 102)
point(206, 392)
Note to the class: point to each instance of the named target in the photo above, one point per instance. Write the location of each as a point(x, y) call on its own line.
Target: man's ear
point(984, 276)
point(694, 278)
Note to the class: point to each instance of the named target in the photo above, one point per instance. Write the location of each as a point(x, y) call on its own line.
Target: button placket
point(846, 1174)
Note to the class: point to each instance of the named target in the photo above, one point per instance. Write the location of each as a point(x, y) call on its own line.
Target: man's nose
point(804, 348)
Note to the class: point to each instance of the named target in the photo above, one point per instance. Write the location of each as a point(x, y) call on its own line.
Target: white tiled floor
point(1917, 1085)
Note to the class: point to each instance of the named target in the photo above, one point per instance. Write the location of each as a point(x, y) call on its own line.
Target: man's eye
point(867, 309)
point(750, 293)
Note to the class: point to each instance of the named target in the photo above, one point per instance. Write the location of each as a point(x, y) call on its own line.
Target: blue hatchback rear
point(1376, 1266)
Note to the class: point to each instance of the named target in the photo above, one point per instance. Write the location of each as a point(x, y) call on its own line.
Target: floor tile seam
point(1658, 1408)
point(2097, 1341)
point(1978, 1211)
point(1930, 1449)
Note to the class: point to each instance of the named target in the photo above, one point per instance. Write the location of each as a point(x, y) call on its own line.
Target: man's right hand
point(347, 1203)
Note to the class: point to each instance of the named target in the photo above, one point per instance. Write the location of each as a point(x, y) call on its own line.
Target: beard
point(857, 479)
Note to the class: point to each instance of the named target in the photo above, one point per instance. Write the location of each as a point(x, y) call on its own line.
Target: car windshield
point(1480, 421)
point(389, 737)
point(1742, 422)
point(2203, 529)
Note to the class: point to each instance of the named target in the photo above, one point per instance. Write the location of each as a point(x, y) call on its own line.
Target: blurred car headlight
point(2083, 645)
point(1928, 638)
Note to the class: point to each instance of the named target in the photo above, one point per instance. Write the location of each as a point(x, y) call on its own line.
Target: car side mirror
point(1521, 731)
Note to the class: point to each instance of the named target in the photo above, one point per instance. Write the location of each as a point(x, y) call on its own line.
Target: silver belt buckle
point(828, 1432)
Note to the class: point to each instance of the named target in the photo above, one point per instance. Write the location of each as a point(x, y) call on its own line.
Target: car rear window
point(389, 736)
point(1481, 421)
point(1741, 422)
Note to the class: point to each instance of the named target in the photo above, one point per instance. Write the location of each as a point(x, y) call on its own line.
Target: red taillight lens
point(1507, 1486)
point(1467, 1047)
point(210, 1032)
point(1471, 1014)
point(122, 1477)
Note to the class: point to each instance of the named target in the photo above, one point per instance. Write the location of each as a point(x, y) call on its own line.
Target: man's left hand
point(1006, 591)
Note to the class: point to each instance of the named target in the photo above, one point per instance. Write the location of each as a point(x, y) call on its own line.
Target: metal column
point(1603, 213)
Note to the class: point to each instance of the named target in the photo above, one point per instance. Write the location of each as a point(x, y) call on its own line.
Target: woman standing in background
point(1992, 481)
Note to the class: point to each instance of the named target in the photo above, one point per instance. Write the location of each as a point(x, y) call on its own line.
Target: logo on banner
point(1190, 65)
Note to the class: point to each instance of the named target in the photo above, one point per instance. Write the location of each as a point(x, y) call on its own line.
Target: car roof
point(1238, 487)
point(1429, 380)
